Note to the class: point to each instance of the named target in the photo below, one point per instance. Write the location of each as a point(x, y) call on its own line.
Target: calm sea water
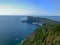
point(13, 31)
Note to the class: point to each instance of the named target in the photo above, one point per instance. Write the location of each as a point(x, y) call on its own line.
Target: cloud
point(13, 10)
point(8, 10)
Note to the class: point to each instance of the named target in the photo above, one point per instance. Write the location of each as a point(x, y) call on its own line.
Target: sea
point(13, 30)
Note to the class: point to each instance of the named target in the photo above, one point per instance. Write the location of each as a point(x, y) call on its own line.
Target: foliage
point(45, 35)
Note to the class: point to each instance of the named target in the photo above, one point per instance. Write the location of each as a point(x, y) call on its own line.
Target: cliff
point(39, 20)
point(44, 35)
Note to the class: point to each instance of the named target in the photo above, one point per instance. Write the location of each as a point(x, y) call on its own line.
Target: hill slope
point(44, 35)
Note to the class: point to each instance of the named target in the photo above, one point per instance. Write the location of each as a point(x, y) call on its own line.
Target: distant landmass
point(39, 21)
point(47, 34)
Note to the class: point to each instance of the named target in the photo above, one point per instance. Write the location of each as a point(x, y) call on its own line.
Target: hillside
point(44, 35)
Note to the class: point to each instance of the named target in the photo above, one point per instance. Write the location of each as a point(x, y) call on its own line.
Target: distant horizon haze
point(30, 7)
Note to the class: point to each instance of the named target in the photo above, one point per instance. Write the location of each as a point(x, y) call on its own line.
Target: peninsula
point(39, 20)
point(48, 34)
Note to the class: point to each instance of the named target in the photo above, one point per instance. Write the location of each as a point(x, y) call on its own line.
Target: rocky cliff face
point(44, 35)
point(39, 19)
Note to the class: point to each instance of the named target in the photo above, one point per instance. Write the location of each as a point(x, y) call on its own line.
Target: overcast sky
point(30, 7)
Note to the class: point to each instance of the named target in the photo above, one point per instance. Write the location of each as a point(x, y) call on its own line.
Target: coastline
point(30, 38)
point(43, 35)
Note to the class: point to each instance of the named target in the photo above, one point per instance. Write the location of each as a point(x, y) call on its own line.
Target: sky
point(30, 7)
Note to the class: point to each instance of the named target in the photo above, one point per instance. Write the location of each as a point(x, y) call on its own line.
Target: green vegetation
point(44, 35)
point(47, 34)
